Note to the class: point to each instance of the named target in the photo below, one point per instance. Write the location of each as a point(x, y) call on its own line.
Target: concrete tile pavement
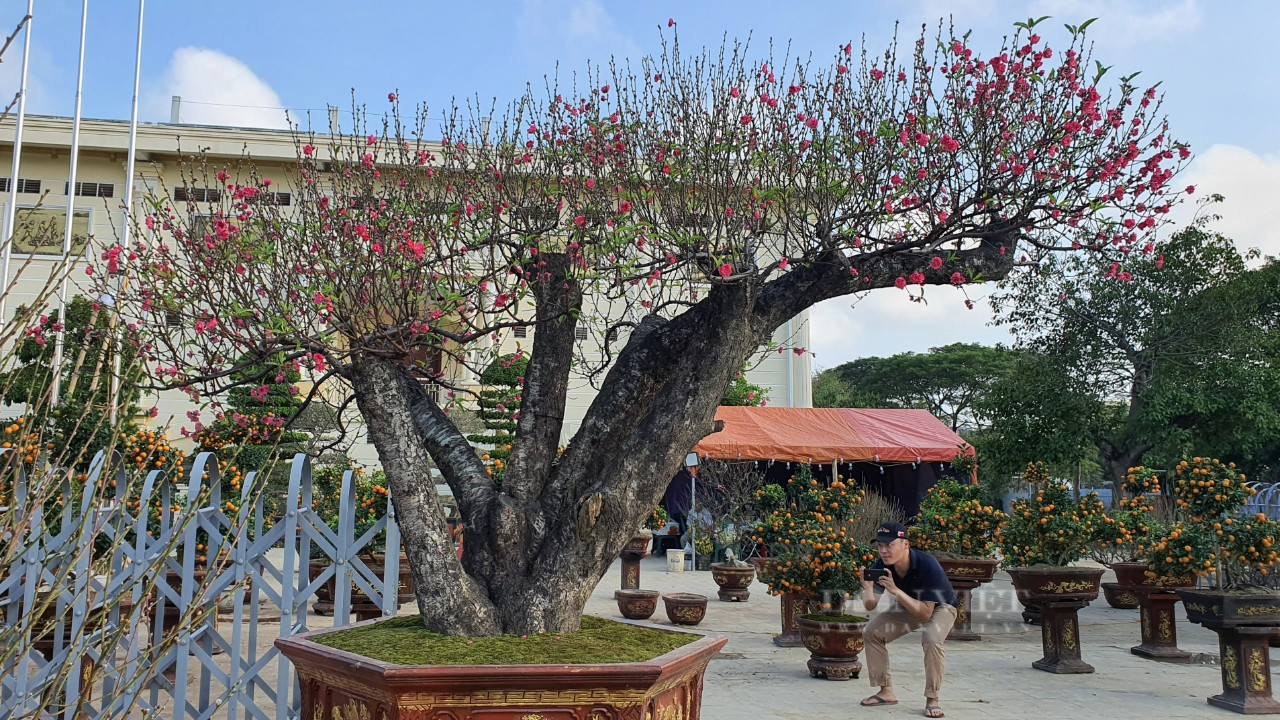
point(991, 678)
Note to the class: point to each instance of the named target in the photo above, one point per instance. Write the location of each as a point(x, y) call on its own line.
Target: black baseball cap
point(889, 532)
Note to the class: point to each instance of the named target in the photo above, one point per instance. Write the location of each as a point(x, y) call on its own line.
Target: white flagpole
point(71, 202)
point(10, 213)
point(113, 400)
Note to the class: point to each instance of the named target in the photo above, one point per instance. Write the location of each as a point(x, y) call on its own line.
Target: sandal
point(877, 701)
point(933, 711)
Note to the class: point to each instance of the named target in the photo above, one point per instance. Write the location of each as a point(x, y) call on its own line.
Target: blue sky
point(237, 62)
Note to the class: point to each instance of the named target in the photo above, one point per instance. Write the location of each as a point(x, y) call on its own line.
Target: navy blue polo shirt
point(925, 581)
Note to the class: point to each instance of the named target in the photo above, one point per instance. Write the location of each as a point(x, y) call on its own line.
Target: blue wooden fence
point(161, 653)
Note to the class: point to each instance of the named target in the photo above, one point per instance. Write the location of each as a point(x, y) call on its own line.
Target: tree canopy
point(691, 207)
point(1174, 353)
point(948, 381)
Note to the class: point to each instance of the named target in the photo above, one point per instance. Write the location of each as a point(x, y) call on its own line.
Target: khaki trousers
point(893, 623)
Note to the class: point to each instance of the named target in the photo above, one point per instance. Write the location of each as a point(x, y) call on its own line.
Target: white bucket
point(675, 561)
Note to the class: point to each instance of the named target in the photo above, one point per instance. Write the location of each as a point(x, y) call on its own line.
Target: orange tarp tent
point(827, 435)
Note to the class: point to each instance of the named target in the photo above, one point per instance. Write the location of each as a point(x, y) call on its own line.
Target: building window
point(580, 332)
point(92, 189)
point(172, 319)
point(25, 185)
point(185, 194)
point(40, 231)
point(612, 336)
point(201, 225)
point(278, 198)
point(520, 332)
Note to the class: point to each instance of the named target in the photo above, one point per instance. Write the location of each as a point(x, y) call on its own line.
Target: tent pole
point(693, 514)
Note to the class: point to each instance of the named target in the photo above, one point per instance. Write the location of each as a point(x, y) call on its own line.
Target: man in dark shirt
point(679, 498)
point(924, 600)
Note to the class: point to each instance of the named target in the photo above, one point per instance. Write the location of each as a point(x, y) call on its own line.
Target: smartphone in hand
point(874, 574)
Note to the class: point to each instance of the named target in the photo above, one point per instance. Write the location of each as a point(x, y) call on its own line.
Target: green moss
point(404, 641)
point(825, 617)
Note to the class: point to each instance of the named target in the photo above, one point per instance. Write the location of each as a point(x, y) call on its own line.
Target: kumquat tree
point(675, 215)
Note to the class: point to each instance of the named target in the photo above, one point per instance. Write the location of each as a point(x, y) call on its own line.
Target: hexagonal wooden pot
point(335, 684)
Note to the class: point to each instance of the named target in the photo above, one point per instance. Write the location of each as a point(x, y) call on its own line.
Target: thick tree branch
point(558, 302)
point(833, 275)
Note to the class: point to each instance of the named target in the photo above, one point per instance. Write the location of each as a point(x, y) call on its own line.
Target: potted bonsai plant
point(816, 556)
point(1232, 556)
point(730, 497)
point(1124, 542)
point(961, 531)
point(1124, 535)
point(1042, 537)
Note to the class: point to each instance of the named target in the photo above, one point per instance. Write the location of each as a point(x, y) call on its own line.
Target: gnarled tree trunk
point(538, 544)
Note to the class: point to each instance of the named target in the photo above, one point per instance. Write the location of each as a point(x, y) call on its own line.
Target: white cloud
point(216, 89)
point(1124, 22)
point(571, 31)
point(1249, 184)
point(11, 76)
point(884, 322)
point(965, 13)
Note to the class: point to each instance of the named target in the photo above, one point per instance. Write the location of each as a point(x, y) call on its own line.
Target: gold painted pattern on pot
point(670, 712)
point(1127, 598)
point(1256, 610)
point(1068, 636)
point(1146, 622)
point(1230, 668)
point(351, 687)
point(353, 710)
point(508, 698)
point(1166, 627)
point(1067, 586)
point(967, 570)
point(1197, 607)
point(633, 576)
point(1257, 678)
point(813, 642)
point(689, 614)
point(854, 644)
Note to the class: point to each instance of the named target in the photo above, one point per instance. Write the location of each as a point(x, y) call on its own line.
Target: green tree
point(499, 410)
point(948, 381)
point(88, 363)
point(1156, 353)
point(253, 430)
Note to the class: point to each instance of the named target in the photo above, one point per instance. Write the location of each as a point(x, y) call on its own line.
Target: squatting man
point(923, 599)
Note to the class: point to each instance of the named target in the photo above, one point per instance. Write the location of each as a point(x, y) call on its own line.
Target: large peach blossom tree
point(679, 212)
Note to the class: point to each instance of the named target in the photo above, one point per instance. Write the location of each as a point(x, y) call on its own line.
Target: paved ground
point(991, 678)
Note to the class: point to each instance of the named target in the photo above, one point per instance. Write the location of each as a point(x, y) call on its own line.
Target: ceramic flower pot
point(833, 645)
point(1245, 622)
point(636, 604)
point(685, 608)
point(733, 580)
point(1059, 592)
point(965, 575)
